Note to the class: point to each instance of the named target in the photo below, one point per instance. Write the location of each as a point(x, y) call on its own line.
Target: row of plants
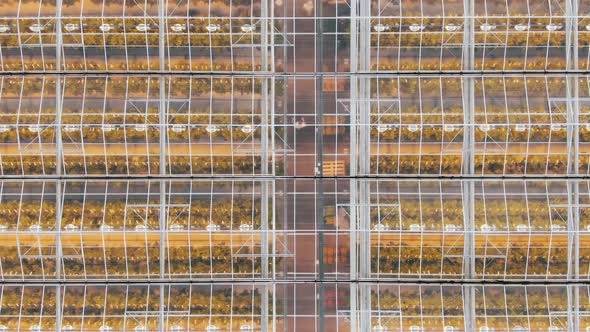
point(122, 64)
point(222, 63)
point(74, 5)
point(136, 263)
point(127, 323)
point(131, 134)
point(496, 307)
point(531, 262)
point(140, 87)
point(517, 164)
point(489, 40)
point(245, 305)
point(430, 109)
point(514, 85)
point(538, 88)
point(454, 63)
point(498, 134)
point(140, 129)
point(231, 213)
point(494, 211)
point(251, 165)
point(91, 214)
point(500, 300)
point(131, 165)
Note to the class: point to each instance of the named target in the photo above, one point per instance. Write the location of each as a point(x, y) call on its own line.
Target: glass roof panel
point(282, 165)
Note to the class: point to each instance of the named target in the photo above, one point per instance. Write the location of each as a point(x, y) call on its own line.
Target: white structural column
point(363, 110)
point(353, 151)
point(59, 253)
point(573, 270)
point(468, 186)
point(58, 89)
point(571, 32)
point(162, 126)
point(267, 102)
point(58, 146)
point(574, 16)
point(468, 169)
point(573, 222)
point(354, 170)
point(59, 166)
point(576, 164)
point(572, 100)
point(363, 102)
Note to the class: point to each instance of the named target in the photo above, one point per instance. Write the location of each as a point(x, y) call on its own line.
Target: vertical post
point(58, 159)
point(468, 83)
point(58, 36)
point(58, 162)
point(469, 307)
point(353, 307)
point(162, 35)
point(571, 28)
point(468, 186)
point(58, 184)
point(575, 65)
point(58, 307)
point(468, 191)
point(576, 306)
point(468, 35)
point(265, 194)
point(362, 96)
point(162, 149)
point(264, 307)
point(58, 165)
point(353, 160)
point(570, 315)
point(59, 254)
point(265, 147)
point(319, 103)
point(364, 307)
point(573, 231)
point(364, 37)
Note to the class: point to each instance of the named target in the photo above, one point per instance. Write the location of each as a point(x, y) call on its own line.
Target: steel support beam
point(354, 327)
point(59, 167)
point(468, 35)
point(264, 324)
point(576, 308)
point(58, 307)
point(570, 315)
point(468, 186)
point(364, 307)
point(59, 254)
point(469, 307)
point(360, 100)
point(571, 32)
point(162, 124)
point(364, 38)
point(575, 7)
point(59, 152)
point(58, 36)
point(353, 159)
point(267, 118)
point(573, 226)
point(468, 191)
point(266, 105)
point(319, 145)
